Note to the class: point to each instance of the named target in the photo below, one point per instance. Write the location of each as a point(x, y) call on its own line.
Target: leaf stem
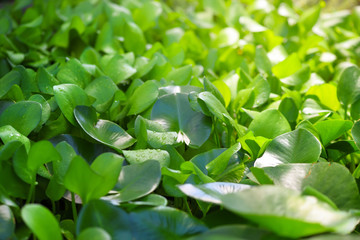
point(73, 206)
point(187, 207)
point(31, 191)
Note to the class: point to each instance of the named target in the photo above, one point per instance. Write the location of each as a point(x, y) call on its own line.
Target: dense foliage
point(211, 119)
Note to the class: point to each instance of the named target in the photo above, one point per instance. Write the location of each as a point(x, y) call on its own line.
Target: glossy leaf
point(211, 192)
point(104, 131)
point(136, 181)
point(174, 112)
point(332, 180)
point(282, 213)
point(298, 146)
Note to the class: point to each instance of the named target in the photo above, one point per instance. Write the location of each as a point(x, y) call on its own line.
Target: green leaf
point(24, 116)
point(104, 131)
point(45, 106)
point(46, 81)
point(150, 200)
point(95, 181)
point(287, 213)
point(134, 38)
point(326, 94)
point(118, 69)
point(136, 181)
point(7, 222)
point(146, 15)
point(219, 164)
point(270, 124)
point(40, 153)
point(143, 97)
point(355, 132)
point(333, 180)
point(41, 222)
point(164, 223)
point(210, 87)
point(81, 180)
point(348, 89)
point(262, 61)
point(68, 96)
point(289, 109)
point(287, 67)
point(94, 233)
point(174, 112)
point(310, 17)
point(102, 214)
point(298, 146)
point(233, 232)
point(74, 73)
point(8, 80)
point(9, 134)
point(143, 155)
point(332, 129)
point(180, 76)
point(211, 192)
point(103, 90)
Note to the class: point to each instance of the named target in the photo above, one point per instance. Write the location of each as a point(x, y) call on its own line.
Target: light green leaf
point(41, 222)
